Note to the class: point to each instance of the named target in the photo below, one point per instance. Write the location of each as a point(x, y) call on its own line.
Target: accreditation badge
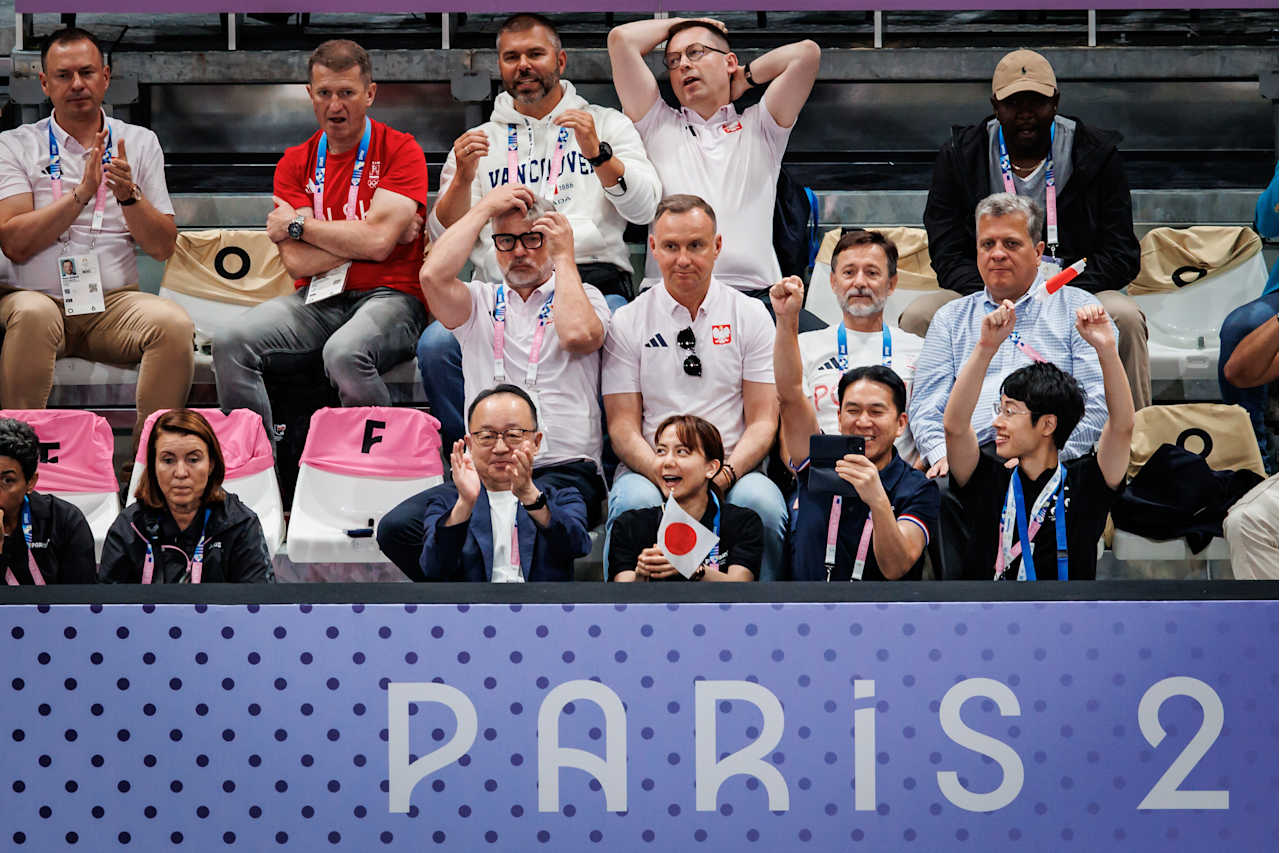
point(327, 284)
point(81, 285)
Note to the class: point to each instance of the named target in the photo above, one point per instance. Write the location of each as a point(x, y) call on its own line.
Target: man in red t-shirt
point(357, 299)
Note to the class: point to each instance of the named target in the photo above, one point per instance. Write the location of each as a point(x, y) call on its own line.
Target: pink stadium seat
point(75, 463)
point(357, 464)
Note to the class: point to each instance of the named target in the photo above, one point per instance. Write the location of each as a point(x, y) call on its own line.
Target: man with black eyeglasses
point(548, 327)
point(693, 345)
point(494, 522)
point(707, 148)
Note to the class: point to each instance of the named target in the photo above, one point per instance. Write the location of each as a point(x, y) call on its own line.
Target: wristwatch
point(605, 155)
point(746, 75)
point(134, 195)
point(537, 504)
point(295, 227)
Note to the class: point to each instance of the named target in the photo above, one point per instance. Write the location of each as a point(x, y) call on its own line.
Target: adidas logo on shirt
point(656, 341)
point(831, 364)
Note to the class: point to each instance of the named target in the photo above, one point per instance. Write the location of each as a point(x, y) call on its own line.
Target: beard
point(525, 275)
point(874, 307)
point(546, 83)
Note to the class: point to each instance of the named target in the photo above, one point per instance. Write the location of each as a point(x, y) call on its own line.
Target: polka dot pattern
point(265, 727)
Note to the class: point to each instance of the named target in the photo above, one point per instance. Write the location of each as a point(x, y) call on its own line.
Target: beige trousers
point(136, 328)
point(1251, 531)
point(1130, 322)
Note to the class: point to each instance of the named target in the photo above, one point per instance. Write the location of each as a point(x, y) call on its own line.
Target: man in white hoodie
point(585, 159)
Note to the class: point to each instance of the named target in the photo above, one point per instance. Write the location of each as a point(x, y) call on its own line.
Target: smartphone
point(855, 444)
point(824, 450)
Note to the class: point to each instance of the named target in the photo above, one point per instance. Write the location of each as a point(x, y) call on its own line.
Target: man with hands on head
point(693, 345)
point(707, 148)
point(551, 327)
point(83, 188)
point(1029, 498)
point(881, 531)
point(348, 226)
point(493, 522)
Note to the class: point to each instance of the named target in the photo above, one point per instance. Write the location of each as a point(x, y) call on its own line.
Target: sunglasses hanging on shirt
point(686, 340)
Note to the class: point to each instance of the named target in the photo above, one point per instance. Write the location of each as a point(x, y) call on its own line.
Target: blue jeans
point(754, 491)
point(1235, 327)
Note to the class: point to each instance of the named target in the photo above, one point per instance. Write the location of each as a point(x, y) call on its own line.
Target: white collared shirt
point(567, 386)
point(731, 161)
point(734, 342)
point(24, 168)
point(502, 519)
point(820, 352)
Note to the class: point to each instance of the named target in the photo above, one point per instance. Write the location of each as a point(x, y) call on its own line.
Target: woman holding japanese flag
point(697, 535)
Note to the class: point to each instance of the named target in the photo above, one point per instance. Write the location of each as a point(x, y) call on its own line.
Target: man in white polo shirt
point(547, 324)
point(707, 148)
point(864, 273)
point(693, 345)
point(77, 191)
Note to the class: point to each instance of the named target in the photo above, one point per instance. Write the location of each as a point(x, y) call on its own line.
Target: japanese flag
point(683, 538)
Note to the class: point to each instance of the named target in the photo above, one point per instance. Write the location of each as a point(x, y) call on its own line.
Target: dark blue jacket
point(464, 552)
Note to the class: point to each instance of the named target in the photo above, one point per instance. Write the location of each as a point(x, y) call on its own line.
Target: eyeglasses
point(507, 242)
point(513, 437)
point(999, 409)
point(693, 53)
point(685, 339)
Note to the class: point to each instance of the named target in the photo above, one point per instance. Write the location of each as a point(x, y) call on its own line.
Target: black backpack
point(1177, 495)
point(796, 237)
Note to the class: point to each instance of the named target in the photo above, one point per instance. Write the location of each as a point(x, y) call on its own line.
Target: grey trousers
point(359, 336)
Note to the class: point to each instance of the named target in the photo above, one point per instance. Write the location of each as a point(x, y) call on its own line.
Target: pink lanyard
point(55, 176)
point(1050, 188)
point(557, 158)
point(1026, 348)
point(500, 337)
point(515, 544)
point(196, 564)
point(833, 529)
point(36, 577)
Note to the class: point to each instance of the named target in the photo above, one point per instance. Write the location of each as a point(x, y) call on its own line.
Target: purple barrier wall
point(945, 726)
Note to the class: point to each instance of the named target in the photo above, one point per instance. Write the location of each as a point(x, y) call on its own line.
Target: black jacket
point(1095, 213)
point(235, 550)
point(60, 539)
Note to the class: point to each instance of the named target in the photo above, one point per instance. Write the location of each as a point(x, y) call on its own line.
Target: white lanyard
point(500, 336)
point(55, 178)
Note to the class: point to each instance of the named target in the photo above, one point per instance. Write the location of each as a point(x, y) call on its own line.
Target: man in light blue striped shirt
point(1009, 262)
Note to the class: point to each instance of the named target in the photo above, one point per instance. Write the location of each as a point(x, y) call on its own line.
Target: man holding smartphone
point(863, 512)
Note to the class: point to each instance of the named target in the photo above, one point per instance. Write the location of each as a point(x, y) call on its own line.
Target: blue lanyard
point(36, 578)
point(1050, 191)
point(1060, 523)
point(55, 156)
point(713, 558)
point(842, 346)
point(322, 157)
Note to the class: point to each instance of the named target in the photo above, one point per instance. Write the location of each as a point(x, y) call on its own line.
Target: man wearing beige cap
point(1073, 172)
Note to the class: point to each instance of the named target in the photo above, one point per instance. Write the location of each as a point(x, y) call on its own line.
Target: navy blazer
point(464, 552)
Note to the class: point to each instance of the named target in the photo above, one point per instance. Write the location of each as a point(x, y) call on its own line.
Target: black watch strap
point(537, 504)
point(605, 155)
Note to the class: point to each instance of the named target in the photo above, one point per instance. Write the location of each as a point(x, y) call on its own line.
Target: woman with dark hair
point(691, 453)
point(46, 539)
point(184, 528)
